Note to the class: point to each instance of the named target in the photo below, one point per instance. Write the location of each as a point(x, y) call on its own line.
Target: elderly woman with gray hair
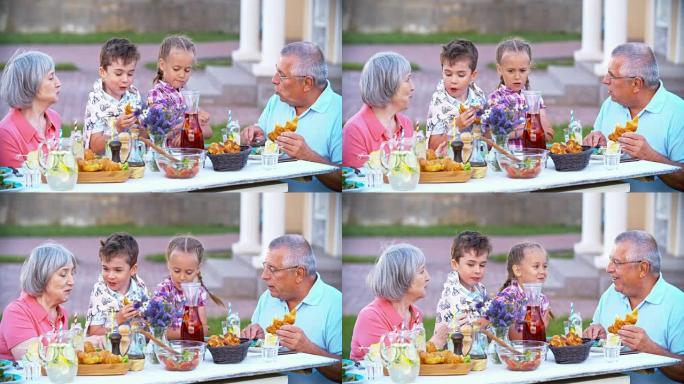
point(30, 86)
point(638, 284)
point(635, 90)
point(386, 90)
point(398, 279)
point(47, 279)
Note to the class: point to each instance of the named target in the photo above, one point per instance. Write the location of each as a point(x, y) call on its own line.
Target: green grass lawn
point(106, 230)
point(11, 259)
point(101, 37)
point(451, 230)
point(59, 67)
point(348, 321)
point(201, 64)
point(161, 257)
point(445, 37)
point(353, 66)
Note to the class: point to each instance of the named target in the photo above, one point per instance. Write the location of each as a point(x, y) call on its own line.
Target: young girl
point(527, 263)
point(184, 257)
point(459, 71)
point(174, 67)
point(112, 93)
point(464, 295)
point(513, 62)
point(118, 288)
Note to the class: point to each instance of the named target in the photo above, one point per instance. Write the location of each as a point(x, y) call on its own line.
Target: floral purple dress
point(167, 288)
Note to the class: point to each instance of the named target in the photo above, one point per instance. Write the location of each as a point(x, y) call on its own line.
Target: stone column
point(591, 32)
point(272, 37)
point(615, 222)
point(249, 32)
point(591, 224)
point(249, 225)
point(615, 12)
point(273, 222)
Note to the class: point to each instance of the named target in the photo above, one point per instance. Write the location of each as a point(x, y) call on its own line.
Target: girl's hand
point(124, 121)
point(466, 118)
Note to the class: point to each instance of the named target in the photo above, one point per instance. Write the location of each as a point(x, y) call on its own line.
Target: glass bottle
point(234, 323)
point(575, 320)
point(192, 328)
point(478, 352)
point(421, 143)
point(533, 135)
point(533, 324)
point(479, 154)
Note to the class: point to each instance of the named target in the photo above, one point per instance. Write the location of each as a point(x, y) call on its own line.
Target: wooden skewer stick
point(159, 150)
point(500, 149)
point(158, 342)
point(500, 342)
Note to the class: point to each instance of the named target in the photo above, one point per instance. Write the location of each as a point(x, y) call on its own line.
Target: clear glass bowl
point(189, 164)
point(530, 166)
point(189, 357)
point(533, 353)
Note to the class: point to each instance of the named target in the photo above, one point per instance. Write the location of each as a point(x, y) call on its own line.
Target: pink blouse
point(363, 133)
point(23, 319)
point(18, 137)
point(374, 320)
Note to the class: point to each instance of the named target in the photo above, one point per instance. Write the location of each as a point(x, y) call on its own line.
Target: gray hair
point(311, 61)
point(44, 261)
point(23, 76)
point(300, 252)
point(394, 271)
point(640, 62)
point(645, 247)
point(381, 76)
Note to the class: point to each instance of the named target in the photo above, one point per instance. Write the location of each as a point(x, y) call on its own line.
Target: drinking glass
point(612, 160)
point(269, 350)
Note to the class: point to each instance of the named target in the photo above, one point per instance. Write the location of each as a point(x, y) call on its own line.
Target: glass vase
point(151, 155)
point(501, 333)
point(502, 141)
point(151, 350)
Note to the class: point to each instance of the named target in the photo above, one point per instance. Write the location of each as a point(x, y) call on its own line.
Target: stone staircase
point(237, 86)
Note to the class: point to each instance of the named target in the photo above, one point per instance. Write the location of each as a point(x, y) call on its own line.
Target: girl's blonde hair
point(513, 45)
point(170, 42)
point(189, 244)
point(516, 256)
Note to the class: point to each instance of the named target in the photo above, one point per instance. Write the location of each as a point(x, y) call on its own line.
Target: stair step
point(576, 278)
point(231, 278)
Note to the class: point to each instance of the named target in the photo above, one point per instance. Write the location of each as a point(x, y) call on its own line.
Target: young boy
point(459, 70)
point(118, 288)
point(113, 96)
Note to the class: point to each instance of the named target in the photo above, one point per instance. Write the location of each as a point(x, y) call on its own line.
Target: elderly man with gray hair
point(47, 279)
point(302, 90)
point(29, 86)
point(634, 268)
point(293, 284)
point(636, 90)
point(386, 90)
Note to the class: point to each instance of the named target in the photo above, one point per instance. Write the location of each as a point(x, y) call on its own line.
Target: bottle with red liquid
point(533, 136)
point(191, 328)
point(191, 135)
point(533, 325)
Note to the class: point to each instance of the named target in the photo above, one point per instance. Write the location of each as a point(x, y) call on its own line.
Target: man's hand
point(294, 145)
point(636, 146)
point(253, 331)
point(124, 121)
point(293, 338)
point(595, 138)
point(594, 331)
point(635, 338)
point(251, 134)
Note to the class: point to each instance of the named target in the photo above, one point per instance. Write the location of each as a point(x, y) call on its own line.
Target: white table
point(593, 175)
point(253, 174)
point(253, 365)
point(550, 371)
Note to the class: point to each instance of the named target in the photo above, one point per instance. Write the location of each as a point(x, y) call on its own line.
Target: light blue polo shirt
point(320, 125)
point(319, 315)
point(661, 315)
point(662, 125)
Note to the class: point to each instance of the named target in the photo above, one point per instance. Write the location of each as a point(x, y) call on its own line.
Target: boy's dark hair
point(119, 244)
point(118, 49)
point(459, 49)
point(469, 240)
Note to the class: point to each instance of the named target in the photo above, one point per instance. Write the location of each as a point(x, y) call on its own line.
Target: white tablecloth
point(595, 173)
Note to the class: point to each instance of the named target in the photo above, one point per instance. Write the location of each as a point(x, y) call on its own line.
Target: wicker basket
point(572, 161)
point(230, 354)
point(572, 354)
point(231, 161)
